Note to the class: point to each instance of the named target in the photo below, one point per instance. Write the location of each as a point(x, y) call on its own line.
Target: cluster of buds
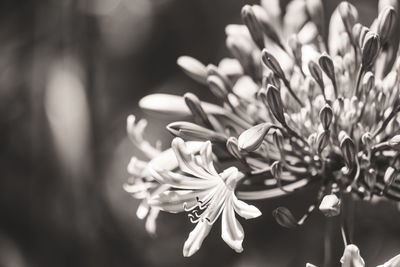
point(297, 106)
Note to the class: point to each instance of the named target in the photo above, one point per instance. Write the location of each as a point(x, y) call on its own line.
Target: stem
point(286, 82)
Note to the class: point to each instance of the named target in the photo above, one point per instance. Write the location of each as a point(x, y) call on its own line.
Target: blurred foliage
point(70, 73)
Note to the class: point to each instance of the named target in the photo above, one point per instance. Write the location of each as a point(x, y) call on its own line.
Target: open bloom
point(205, 194)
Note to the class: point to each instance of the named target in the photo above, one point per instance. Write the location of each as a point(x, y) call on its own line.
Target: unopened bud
point(322, 141)
point(193, 132)
point(233, 148)
point(330, 205)
point(349, 16)
point(325, 116)
point(394, 142)
point(213, 70)
point(348, 149)
point(363, 33)
point(326, 63)
point(193, 68)
point(386, 23)
point(356, 31)
point(316, 73)
point(194, 104)
point(390, 176)
point(252, 138)
point(217, 86)
point(254, 26)
point(368, 82)
point(370, 178)
point(276, 169)
point(272, 63)
point(273, 98)
point(370, 49)
point(316, 12)
point(284, 217)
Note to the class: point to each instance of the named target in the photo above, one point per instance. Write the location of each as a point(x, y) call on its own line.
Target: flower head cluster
point(298, 103)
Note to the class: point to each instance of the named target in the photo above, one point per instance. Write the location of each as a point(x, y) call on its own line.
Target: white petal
point(166, 104)
point(217, 204)
point(196, 238)
point(351, 257)
point(151, 221)
point(180, 181)
point(193, 68)
point(394, 262)
point(245, 210)
point(207, 159)
point(232, 230)
point(245, 87)
point(142, 210)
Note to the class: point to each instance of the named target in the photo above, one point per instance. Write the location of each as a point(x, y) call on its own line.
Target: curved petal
point(180, 181)
point(177, 201)
point(207, 159)
point(232, 230)
point(217, 204)
point(151, 221)
point(245, 210)
point(196, 238)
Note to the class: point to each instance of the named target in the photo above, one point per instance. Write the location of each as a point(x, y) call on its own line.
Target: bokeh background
point(70, 73)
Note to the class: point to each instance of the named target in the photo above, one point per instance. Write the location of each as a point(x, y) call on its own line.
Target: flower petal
point(180, 181)
point(206, 158)
point(151, 221)
point(351, 257)
point(196, 238)
point(232, 230)
point(393, 262)
point(245, 210)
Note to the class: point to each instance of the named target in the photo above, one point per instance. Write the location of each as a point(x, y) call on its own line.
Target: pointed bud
point(370, 178)
point(284, 217)
point(252, 138)
point(356, 31)
point(370, 49)
point(351, 257)
point(213, 70)
point(386, 23)
point(316, 73)
point(193, 68)
point(194, 104)
point(368, 82)
point(272, 63)
point(363, 32)
point(322, 141)
point(348, 149)
point(330, 205)
point(349, 16)
point(326, 63)
point(394, 142)
point(316, 12)
point(233, 148)
point(390, 176)
point(254, 26)
point(194, 132)
point(217, 86)
point(273, 97)
point(325, 116)
point(276, 169)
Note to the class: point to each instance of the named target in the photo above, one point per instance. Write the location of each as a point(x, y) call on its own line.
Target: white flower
point(204, 193)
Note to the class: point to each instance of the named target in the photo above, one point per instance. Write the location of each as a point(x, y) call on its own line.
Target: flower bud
point(356, 31)
point(284, 217)
point(194, 132)
point(272, 63)
point(351, 257)
point(273, 98)
point(363, 32)
point(370, 49)
point(386, 23)
point(394, 142)
point(330, 205)
point(368, 82)
point(217, 86)
point(193, 68)
point(326, 63)
point(213, 70)
point(325, 116)
point(370, 178)
point(348, 149)
point(322, 141)
point(349, 16)
point(316, 12)
point(252, 23)
point(390, 176)
point(194, 104)
point(316, 73)
point(233, 148)
point(252, 138)
point(276, 169)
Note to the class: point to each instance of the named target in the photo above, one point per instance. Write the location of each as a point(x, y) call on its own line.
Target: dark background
point(70, 73)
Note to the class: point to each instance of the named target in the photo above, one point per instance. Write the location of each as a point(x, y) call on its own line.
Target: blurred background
point(71, 71)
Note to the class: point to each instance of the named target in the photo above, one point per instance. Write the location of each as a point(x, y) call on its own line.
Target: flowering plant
point(298, 106)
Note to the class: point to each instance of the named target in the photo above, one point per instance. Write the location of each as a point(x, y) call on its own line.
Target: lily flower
point(205, 194)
